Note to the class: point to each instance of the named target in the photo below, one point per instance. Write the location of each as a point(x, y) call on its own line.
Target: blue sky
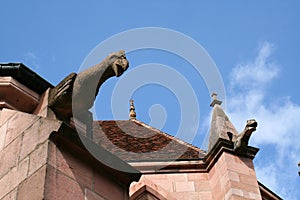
point(254, 44)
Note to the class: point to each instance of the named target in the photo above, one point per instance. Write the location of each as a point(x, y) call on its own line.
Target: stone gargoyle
point(77, 92)
point(242, 139)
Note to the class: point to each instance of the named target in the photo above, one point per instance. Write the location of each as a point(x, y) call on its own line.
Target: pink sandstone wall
point(183, 186)
point(72, 177)
point(33, 167)
point(230, 178)
point(234, 177)
point(22, 157)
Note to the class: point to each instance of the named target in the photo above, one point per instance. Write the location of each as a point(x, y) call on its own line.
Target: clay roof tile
point(134, 141)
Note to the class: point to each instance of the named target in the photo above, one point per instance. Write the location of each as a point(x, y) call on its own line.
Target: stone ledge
point(196, 165)
point(24, 75)
point(14, 95)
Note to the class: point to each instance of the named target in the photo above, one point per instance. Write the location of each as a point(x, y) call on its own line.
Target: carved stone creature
point(242, 139)
point(77, 92)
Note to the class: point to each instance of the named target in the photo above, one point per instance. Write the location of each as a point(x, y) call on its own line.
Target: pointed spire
point(132, 114)
point(220, 124)
point(215, 101)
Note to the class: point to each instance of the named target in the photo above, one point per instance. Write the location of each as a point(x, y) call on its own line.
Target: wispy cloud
point(255, 73)
point(278, 119)
point(32, 59)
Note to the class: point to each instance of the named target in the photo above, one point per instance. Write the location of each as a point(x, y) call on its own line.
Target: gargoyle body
point(77, 92)
point(242, 139)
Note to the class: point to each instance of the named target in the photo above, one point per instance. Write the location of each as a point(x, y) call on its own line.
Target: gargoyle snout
point(251, 125)
point(120, 66)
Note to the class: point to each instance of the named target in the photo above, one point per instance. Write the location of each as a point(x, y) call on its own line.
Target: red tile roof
point(133, 141)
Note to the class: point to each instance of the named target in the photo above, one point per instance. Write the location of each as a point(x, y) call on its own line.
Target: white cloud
point(32, 59)
point(278, 119)
point(257, 73)
point(268, 176)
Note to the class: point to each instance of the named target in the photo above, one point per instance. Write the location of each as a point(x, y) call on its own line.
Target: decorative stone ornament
point(132, 113)
point(242, 139)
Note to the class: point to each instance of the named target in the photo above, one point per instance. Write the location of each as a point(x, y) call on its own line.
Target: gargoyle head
point(117, 64)
point(241, 142)
point(251, 125)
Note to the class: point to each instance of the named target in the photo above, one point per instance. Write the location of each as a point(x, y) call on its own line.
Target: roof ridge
point(169, 136)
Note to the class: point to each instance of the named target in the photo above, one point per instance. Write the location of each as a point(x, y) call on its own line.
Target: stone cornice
point(14, 95)
point(201, 165)
point(25, 76)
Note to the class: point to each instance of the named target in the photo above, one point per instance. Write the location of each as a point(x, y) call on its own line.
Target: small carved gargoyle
point(242, 139)
point(77, 92)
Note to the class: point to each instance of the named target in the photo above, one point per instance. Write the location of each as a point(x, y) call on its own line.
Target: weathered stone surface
point(148, 189)
point(3, 130)
point(220, 127)
point(9, 156)
point(184, 186)
point(6, 114)
point(197, 176)
point(202, 186)
point(59, 186)
point(38, 157)
point(236, 181)
point(8, 182)
point(11, 196)
point(90, 195)
point(68, 164)
point(23, 168)
point(33, 187)
point(17, 124)
point(107, 188)
point(37, 134)
point(42, 109)
point(174, 186)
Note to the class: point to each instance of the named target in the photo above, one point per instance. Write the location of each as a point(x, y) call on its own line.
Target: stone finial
point(132, 114)
point(215, 101)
